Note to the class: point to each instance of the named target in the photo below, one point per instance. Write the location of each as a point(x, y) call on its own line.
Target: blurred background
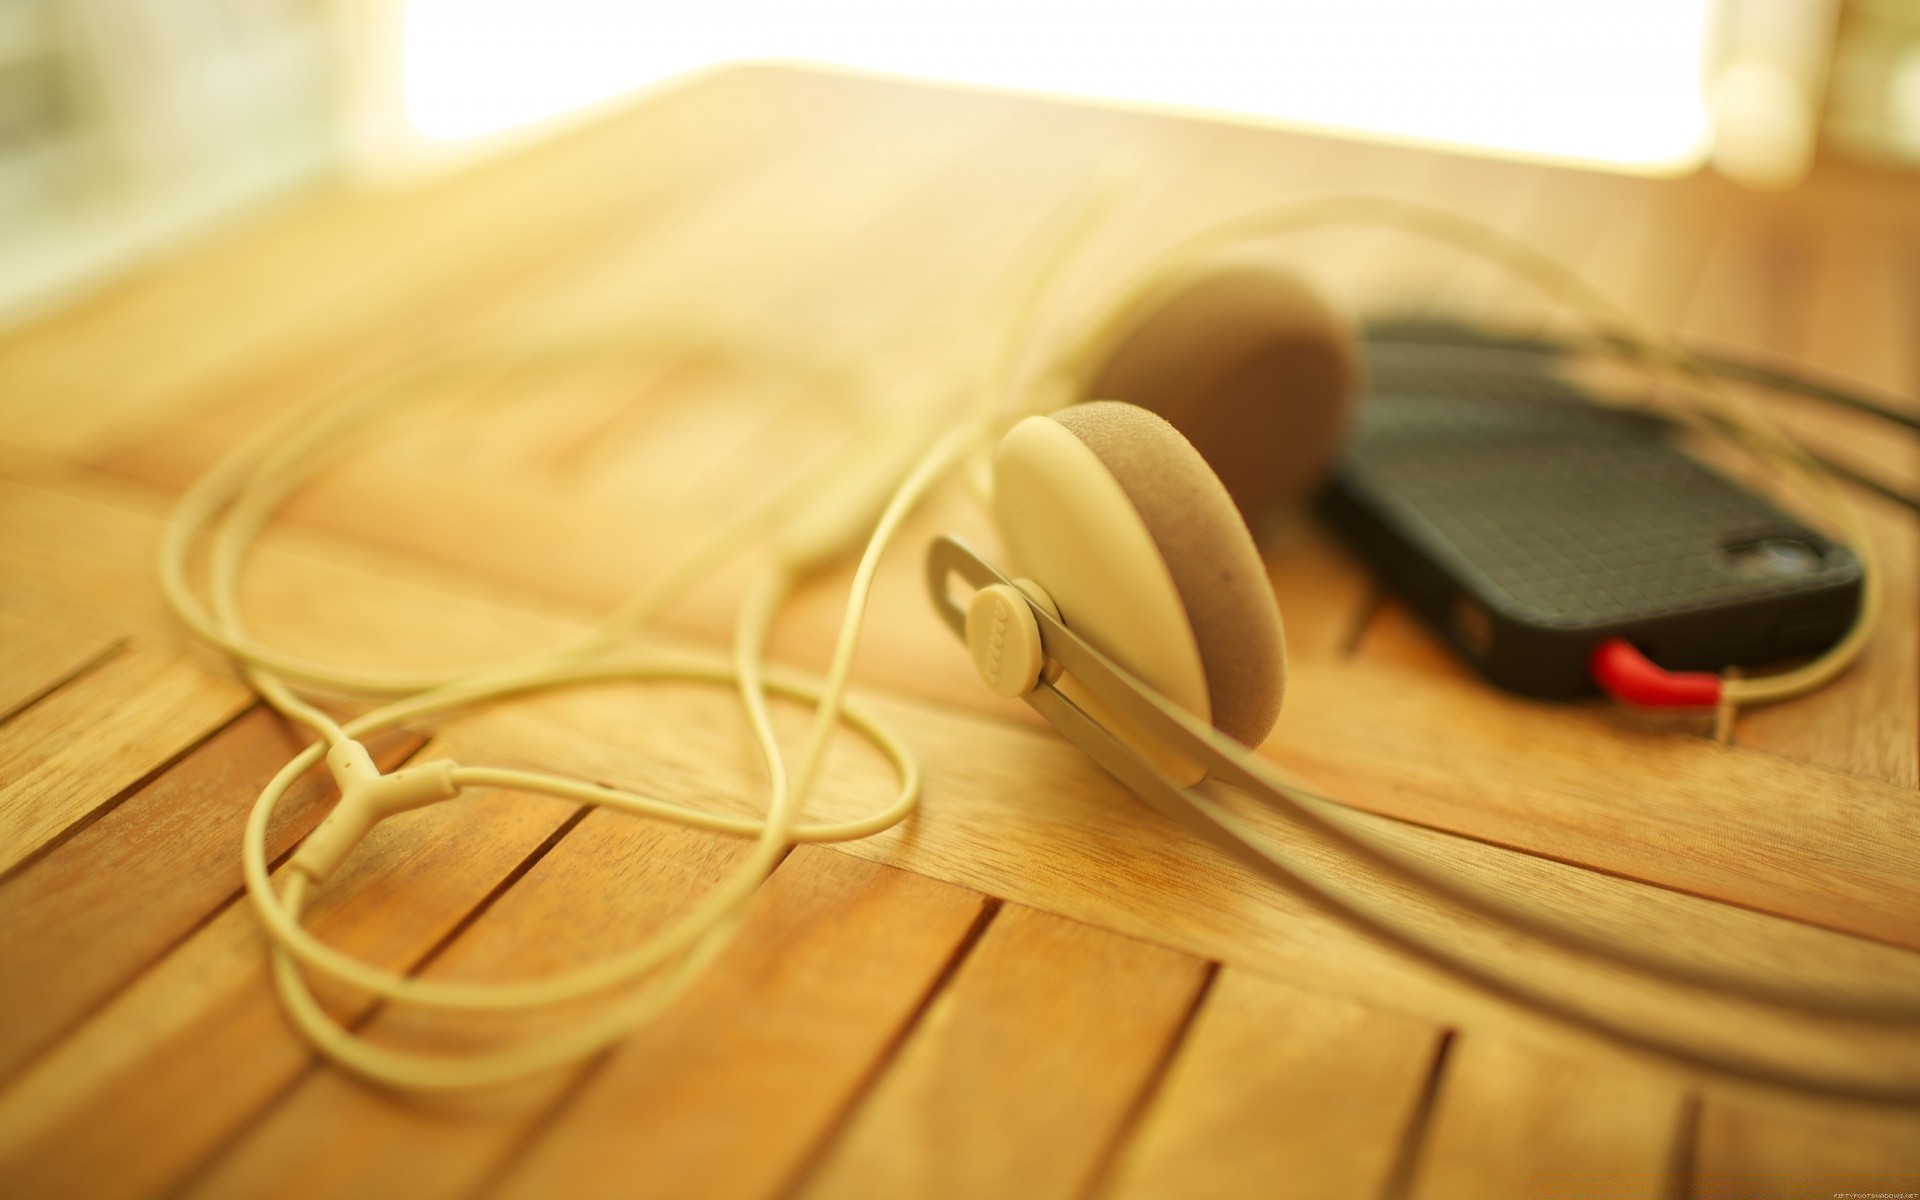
point(128, 125)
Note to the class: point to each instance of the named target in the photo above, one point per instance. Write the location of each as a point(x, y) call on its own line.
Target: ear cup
point(1259, 372)
point(1211, 555)
point(1068, 527)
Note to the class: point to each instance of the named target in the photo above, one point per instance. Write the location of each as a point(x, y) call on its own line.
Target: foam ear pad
point(1206, 545)
point(1254, 367)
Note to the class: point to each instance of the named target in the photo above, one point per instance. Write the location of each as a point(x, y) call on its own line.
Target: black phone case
point(1528, 524)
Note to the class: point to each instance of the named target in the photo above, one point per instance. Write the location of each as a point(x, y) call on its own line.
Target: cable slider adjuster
point(366, 798)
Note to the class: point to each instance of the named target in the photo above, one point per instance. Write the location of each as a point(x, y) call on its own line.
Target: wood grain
point(315, 283)
point(730, 1094)
point(181, 1060)
point(1511, 1122)
point(1020, 1075)
point(105, 732)
point(1820, 1148)
point(597, 891)
point(1624, 795)
point(636, 275)
point(37, 657)
point(1278, 1090)
point(131, 884)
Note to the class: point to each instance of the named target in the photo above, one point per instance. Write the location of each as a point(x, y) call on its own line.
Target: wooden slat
point(108, 730)
point(109, 529)
point(1511, 1122)
point(1020, 814)
point(1610, 793)
point(1819, 1149)
point(729, 1094)
point(719, 256)
point(1020, 1075)
point(80, 923)
point(36, 657)
point(82, 745)
point(184, 1058)
point(605, 883)
point(1279, 1090)
point(294, 294)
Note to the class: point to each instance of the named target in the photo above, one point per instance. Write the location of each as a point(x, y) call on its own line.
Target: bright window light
point(1611, 81)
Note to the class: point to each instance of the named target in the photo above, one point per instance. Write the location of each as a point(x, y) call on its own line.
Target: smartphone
point(1527, 523)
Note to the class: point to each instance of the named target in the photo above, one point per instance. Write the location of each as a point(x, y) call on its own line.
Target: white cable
point(243, 492)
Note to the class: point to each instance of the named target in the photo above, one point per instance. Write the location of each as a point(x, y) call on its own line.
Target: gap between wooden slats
point(1022, 1069)
point(731, 1092)
point(1275, 1087)
point(80, 923)
point(1512, 1121)
point(176, 1062)
point(1026, 818)
point(108, 730)
point(38, 657)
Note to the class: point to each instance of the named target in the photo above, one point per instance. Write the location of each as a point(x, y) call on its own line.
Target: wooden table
point(1036, 987)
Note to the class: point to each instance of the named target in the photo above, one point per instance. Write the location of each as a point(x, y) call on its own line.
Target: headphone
point(1130, 607)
